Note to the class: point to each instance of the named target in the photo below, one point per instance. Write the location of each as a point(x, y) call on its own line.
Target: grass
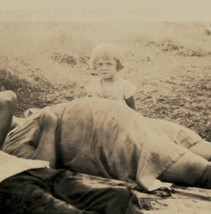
point(169, 63)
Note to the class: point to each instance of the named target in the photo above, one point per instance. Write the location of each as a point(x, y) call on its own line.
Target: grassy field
point(169, 63)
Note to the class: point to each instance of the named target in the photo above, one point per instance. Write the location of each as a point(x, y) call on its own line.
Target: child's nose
point(104, 66)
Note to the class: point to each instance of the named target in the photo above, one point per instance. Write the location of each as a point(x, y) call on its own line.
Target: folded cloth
point(11, 165)
point(106, 138)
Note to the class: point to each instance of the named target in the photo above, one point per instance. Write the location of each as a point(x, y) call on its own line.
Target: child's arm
point(131, 102)
point(129, 92)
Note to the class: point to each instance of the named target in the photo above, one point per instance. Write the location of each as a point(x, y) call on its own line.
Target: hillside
point(169, 63)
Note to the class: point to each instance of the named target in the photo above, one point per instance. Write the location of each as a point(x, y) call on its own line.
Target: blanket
point(103, 138)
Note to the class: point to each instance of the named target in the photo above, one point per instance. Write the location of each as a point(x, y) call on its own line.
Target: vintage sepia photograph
point(105, 106)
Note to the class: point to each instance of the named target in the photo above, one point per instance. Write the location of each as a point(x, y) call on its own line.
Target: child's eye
point(109, 64)
point(100, 64)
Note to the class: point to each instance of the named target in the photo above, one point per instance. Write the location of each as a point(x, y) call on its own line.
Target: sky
point(156, 10)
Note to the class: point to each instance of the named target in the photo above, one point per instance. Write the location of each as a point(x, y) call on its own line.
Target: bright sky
point(196, 10)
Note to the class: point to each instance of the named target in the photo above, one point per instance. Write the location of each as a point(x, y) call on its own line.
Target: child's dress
point(120, 91)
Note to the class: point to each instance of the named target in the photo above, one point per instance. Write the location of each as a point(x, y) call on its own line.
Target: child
point(107, 61)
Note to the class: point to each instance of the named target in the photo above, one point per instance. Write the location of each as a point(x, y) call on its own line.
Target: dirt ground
point(169, 63)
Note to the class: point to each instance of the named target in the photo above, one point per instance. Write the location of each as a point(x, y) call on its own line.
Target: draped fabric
point(11, 165)
point(106, 138)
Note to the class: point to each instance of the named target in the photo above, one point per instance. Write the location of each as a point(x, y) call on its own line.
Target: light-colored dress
point(120, 91)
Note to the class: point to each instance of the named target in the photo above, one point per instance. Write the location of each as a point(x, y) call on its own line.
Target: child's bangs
point(108, 52)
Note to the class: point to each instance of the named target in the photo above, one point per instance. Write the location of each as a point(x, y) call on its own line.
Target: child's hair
point(110, 52)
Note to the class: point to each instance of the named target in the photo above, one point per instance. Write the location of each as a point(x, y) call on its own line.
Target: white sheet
point(11, 165)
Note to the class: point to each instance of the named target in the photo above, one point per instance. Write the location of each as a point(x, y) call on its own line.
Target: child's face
point(106, 68)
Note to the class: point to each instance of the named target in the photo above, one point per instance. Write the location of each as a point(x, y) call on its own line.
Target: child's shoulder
point(125, 81)
point(95, 81)
point(128, 87)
